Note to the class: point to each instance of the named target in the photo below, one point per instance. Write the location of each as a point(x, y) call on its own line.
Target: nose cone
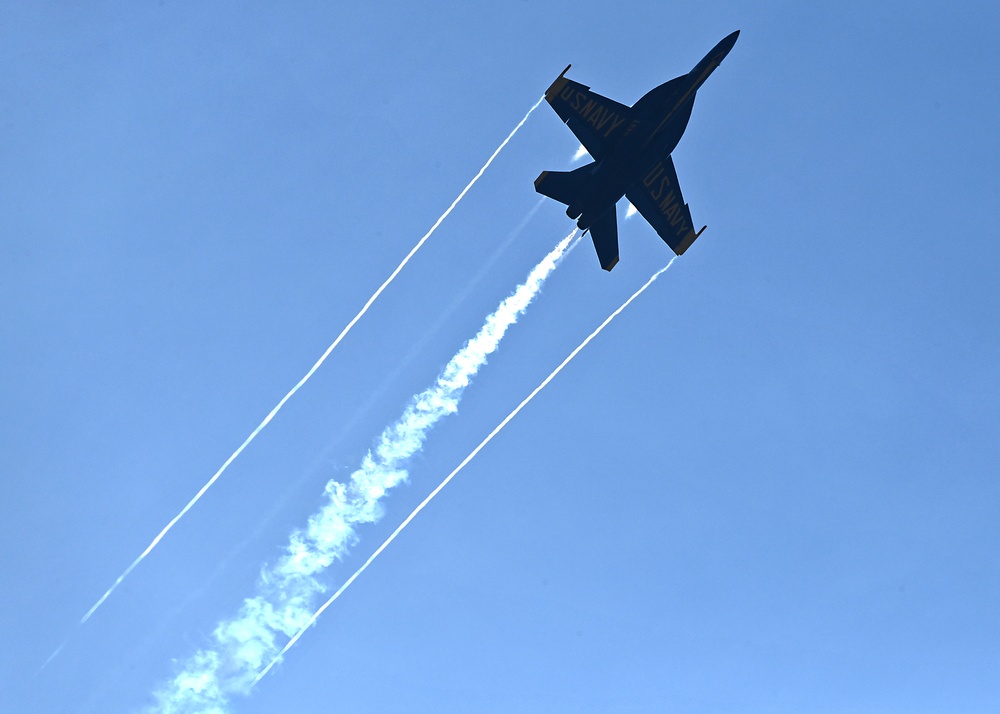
point(720, 51)
point(713, 59)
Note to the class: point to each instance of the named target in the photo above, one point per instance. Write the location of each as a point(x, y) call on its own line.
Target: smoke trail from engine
point(286, 592)
point(312, 370)
point(489, 437)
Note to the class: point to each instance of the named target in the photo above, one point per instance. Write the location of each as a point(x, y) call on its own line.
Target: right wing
point(595, 120)
point(657, 196)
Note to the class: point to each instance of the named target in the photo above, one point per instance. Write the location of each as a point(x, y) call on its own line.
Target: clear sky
point(770, 486)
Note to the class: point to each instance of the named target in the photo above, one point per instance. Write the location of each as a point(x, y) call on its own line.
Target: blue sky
point(770, 486)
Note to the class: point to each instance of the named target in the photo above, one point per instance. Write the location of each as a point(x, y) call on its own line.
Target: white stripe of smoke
point(489, 437)
point(286, 592)
point(305, 379)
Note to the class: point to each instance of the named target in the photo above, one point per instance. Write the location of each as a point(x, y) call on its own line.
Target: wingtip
point(681, 247)
point(557, 85)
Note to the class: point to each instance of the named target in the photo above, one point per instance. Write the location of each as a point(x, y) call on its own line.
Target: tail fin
point(563, 186)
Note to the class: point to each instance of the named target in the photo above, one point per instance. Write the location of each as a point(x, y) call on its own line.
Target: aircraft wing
point(657, 196)
point(595, 120)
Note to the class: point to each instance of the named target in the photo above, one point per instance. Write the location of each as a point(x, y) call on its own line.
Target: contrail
point(449, 477)
point(286, 592)
point(312, 370)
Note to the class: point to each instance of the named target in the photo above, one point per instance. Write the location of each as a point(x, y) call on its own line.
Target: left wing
point(595, 120)
point(657, 196)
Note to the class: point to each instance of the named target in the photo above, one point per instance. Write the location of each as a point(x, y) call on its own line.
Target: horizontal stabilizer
point(604, 232)
point(563, 186)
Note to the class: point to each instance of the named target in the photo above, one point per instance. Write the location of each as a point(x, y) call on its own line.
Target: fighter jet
point(631, 148)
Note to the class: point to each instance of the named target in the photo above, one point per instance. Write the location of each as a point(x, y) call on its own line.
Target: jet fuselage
point(631, 148)
point(656, 124)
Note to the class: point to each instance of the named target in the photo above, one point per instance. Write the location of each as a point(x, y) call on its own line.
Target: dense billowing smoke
point(287, 592)
point(312, 370)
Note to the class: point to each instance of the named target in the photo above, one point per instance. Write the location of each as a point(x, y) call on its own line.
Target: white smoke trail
point(286, 591)
point(449, 477)
point(312, 370)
